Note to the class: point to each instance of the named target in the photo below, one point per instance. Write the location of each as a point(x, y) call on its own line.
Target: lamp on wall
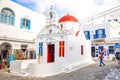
point(49, 42)
point(117, 20)
point(93, 32)
point(119, 33)
point(96, 44)
point(50, 31)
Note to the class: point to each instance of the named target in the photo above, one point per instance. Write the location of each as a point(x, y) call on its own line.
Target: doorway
point(5, 50)
point(51, 53)
point(93, 51)
point(101, 48)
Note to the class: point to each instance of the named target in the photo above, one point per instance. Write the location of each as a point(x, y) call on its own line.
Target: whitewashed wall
point(37, 22)
point(74, 56)
point(17, 45)
point(110, 30)
point(114, 31)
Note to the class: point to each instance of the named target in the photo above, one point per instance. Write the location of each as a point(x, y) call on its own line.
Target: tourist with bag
point(101, 60)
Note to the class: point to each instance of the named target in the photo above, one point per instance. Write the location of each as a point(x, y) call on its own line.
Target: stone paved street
point(92, 72)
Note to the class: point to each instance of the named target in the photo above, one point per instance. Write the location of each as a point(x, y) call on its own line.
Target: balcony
point(99, 36)
point(87, 37)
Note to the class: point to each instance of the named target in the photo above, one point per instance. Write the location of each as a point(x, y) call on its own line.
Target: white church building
point(63, 40)
point(61, 46)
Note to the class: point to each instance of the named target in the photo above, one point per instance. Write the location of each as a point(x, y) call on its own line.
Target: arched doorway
point(5, 50)
point(30, 54)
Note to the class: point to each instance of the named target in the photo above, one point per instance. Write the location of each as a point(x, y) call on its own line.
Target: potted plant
point(39, 58)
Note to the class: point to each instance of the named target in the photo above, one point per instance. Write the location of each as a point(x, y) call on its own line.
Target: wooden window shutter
point(61, 49)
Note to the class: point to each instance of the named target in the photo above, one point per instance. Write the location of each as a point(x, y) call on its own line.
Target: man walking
point(101, 60)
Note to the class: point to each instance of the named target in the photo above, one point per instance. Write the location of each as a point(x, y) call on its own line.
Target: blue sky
point(79, 8)
point(28, 5)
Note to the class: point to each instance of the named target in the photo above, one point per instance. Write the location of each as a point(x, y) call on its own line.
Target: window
point(25, 23)
point(101, 48)
point(101, 33)
point(82, 49)
point(24, 47)
point(87, 34)
point(61, 49)
point(117, 55)
point(41, 48)
point(111, 49)
point(7, 16)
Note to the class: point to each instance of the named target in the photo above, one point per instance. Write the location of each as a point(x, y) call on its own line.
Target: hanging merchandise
point(54, 25)
point(61, 27)
point(47, 26)
point(57, 26)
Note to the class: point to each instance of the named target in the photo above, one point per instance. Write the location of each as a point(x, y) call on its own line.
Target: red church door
point(50, 55)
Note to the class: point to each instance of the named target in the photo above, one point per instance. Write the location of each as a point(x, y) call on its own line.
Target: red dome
point(68, 18)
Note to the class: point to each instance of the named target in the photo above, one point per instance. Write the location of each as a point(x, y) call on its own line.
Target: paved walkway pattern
point(113, 75)
point(111, 71)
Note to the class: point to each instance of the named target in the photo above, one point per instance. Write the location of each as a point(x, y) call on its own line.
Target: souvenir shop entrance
point(5, 50)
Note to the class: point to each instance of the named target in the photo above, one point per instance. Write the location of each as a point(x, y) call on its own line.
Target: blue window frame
point(101, 49)
point(96, 34)
point(111, 49)
point(100, 33)
point(7, 16)
point(87, 34)
point(25, 23)
point(41, 48)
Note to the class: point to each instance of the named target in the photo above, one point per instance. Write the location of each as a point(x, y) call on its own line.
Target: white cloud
point(79, 8)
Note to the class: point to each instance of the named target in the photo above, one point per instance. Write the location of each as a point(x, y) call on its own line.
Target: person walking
point(101, 60)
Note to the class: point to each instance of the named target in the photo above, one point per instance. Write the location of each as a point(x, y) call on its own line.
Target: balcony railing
point(88, 38)
point(99, 36)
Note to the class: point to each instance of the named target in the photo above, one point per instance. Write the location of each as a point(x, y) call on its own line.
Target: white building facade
point(61, 47)
point(105, 34)
point(17, 28)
